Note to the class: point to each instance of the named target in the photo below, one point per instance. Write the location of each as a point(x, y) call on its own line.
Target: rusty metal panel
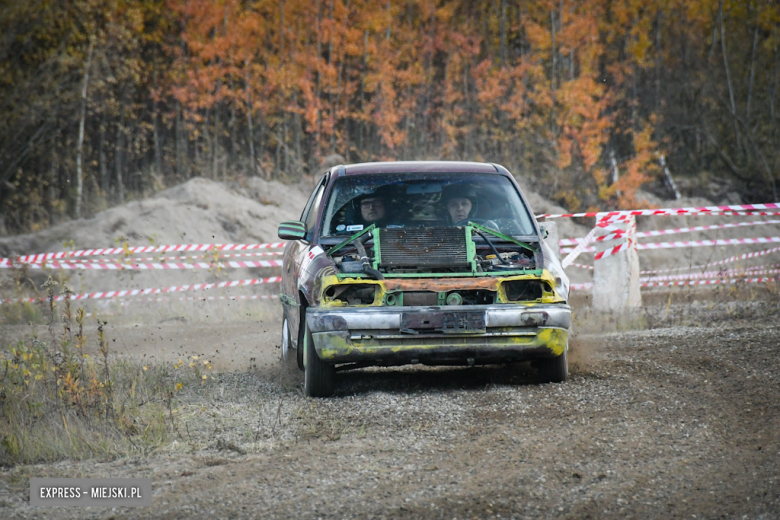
point(440, 284)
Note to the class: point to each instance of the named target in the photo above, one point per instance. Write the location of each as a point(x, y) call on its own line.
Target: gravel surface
point(679, 421)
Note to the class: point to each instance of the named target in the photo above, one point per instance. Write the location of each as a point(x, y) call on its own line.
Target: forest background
point(106, 100)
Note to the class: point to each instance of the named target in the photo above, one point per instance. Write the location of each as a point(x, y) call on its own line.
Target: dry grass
point(57, 401)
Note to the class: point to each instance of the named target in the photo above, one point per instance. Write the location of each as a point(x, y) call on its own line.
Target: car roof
point(419, 167)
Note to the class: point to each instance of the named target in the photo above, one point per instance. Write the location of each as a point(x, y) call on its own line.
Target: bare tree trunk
point(177, 132)
point(658, 61)
point(261, 139)
point(469, 144)
point(297, 132)
point(614, 173)
point(752, 74)
point(156, 132)
point(715, 32)
point(102, 154)
point(330, 86)
point(215, 152)
point(79, 172)
point(338, 78)
point(318, 130)
point(502, 31)
point(773, 96)
point(423, 143)
point(252, 159)
point(281, 27)
point(286, 147)
point(363, 92)
point(119, 148)
point(668, 180)
point(199, 142)
point(233, 144)
point(728, 76)
point(552, 75)
point(53, 183)
point(389, 22)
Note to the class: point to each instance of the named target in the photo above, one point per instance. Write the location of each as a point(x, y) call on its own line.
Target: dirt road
point(675, 422)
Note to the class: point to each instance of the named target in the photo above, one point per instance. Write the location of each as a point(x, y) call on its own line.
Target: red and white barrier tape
point(640, 234)
point(581, 286)
point(56, 264)
point(140, 249)
point(581, 247)
point(691, 243)
point(736, 258)
point(611, 216)
point(165, 258)
point(159, 290)
point(700, 243)
point(714, 281)
point(732, 273)
point(206, 298)
point(743, 256)
point(582, 266)
point(613, 250)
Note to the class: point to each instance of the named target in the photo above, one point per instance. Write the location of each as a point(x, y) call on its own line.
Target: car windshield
point(425, 200)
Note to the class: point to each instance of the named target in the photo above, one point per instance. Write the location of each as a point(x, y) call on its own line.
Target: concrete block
point(616, 277)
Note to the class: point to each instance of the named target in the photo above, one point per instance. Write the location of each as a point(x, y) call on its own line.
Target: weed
point(57, 401)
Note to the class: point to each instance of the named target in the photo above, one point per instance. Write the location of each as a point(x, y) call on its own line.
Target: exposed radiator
point(423, 247)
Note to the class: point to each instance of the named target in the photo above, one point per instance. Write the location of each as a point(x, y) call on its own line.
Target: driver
point(372, 209)
point(460, 203)
point(375, 208)
point(459, 208)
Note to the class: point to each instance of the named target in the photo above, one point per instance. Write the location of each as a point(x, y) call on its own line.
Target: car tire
point(555, 370)
point(290, 376)
point(319, 376)
point(286, 343)
point(299, 347)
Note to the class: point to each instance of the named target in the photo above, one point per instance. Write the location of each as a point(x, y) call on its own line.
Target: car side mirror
point(292, 230)
point(544, 231)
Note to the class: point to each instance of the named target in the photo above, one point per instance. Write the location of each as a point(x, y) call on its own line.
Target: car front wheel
point(555, 370)
point(287, 353)
point(319, 380)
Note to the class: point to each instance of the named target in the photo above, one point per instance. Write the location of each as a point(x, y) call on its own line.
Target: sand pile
point(199, 211)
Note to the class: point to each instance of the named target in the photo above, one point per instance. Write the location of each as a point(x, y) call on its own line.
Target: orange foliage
point(429, 76)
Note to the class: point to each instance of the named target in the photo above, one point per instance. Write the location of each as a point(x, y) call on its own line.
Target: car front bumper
point(374, 335)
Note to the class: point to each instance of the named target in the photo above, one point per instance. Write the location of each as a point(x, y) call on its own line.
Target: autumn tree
point(580, 98)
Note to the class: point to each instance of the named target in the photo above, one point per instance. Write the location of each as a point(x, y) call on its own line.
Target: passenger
point(460, 203)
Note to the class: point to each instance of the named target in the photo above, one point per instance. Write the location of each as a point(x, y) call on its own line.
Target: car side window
point(312, 210)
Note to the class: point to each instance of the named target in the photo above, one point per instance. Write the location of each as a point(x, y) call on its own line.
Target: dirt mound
point(199, 211)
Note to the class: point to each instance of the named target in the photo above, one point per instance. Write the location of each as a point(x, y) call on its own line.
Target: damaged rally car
point(440, 263)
